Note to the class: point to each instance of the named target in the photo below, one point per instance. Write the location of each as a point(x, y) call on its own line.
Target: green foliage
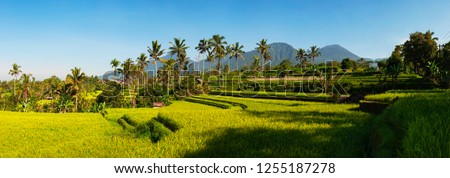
point(419, 50)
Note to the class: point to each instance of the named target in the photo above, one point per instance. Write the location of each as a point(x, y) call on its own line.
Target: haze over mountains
point(279, 52)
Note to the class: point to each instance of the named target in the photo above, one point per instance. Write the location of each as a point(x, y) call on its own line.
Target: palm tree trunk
point(76, 102)
point(156, 70)
point(237, 68)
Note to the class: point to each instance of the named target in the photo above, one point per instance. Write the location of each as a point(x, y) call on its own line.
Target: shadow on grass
point(327, 135)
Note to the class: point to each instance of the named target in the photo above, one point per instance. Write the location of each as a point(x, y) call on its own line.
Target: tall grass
point(414, 127)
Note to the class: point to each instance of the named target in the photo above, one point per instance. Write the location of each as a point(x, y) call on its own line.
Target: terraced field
point(244, 128)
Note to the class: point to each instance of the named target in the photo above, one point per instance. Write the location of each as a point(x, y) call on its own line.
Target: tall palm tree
point(74, 80)
point(155, 52)
point(203, 48)
point(142, 62)
point(178, 48)
point(210, 59)
point(26, 86)
point(301, 56)
point(127, 70)
point(237, 52)
point(168, 68)
point(314, 52)
point(263, 50)
point(114, 64)
point(15, 71)
point(218, 44)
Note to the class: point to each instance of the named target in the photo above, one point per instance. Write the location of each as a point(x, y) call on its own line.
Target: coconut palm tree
point(301, 56)
point(237, 52)
point(74, 81)
point(218, 44)
point(127, 70)
point(155, 52)
point(15, 71)
point(263, 50)
point(178, 48)
point(314, 52)
point(142, 62)
point(168, 68)
point(203, 48)
point(26, 88)
point(114, 64)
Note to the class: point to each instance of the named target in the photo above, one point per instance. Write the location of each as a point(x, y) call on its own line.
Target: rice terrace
point(271, 101)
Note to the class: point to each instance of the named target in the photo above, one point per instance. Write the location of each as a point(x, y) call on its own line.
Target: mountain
point(279, 52)
point(334, 52)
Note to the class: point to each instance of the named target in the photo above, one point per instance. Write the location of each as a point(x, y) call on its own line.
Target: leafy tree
point(362, 63)
point(15, 71)
point(381, 64)
point(284, 66)
point(419, 50)
point(394, 63)
point(74, 81)
point(236, 52)
point(155, 52)
point(114, 64)
point(346, 63)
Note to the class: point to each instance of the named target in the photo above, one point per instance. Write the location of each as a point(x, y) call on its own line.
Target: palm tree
point(179, 48)
point(210, 59)
point(203, 48)
point(127, 70)
point(155, 53)
point(15, 71)
point(168, 67)
point(218, 48)
point(314, 52)
point(74, 80)
point(236, 52)
point(301, 56)
point(26, 87)
point(263, 49)
point(142, 62)
point(114, 64)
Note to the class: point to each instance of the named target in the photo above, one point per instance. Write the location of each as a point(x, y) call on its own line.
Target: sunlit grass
point(267, 128)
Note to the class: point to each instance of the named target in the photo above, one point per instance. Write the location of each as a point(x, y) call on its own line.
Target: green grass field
point(263, 128)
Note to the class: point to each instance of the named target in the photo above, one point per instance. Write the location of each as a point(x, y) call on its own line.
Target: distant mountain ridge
point(279, 52)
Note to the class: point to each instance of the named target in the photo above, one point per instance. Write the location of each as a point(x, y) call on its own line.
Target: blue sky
point(50, 37)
